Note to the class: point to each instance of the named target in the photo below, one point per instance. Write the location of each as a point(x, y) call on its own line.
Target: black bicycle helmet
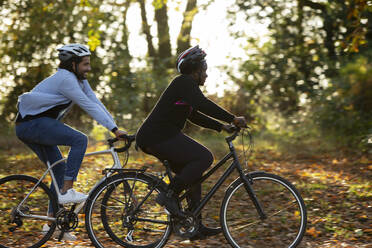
point(190, 59)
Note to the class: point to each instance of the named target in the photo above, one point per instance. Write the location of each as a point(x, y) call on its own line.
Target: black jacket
point(182, 100)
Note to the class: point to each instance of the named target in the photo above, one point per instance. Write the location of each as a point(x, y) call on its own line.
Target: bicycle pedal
point(166, 211)
point(129, 236)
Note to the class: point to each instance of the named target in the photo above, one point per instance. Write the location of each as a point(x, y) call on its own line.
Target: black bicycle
point(259, 209)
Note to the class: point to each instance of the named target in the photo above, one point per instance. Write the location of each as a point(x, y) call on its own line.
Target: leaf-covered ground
point(337, 192)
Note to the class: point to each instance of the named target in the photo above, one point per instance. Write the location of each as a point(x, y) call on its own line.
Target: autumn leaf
point(313, 232)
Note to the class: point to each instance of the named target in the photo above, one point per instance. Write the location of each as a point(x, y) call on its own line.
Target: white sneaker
point(72, 196)
point(66, 236)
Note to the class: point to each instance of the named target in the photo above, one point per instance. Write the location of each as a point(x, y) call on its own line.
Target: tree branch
point(313, 5)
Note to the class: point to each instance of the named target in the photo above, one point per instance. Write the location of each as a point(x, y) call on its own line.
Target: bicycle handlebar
point(128, 138)
point(236, 131)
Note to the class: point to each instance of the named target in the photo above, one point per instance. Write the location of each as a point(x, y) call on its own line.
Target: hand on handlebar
point(240, 121)
point(120, 134)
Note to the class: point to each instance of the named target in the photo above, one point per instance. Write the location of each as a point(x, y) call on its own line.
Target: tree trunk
point(161, 18)
point(146, 30)
point(125, 32)
point(183, 40)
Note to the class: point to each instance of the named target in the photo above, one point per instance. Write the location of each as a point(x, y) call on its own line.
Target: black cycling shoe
point(170, 202)
point(205, 232)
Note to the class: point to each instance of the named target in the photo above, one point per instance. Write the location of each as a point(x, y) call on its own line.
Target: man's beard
point(81, 76)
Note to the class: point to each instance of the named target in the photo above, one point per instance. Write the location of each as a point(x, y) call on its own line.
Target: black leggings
point(187, 158)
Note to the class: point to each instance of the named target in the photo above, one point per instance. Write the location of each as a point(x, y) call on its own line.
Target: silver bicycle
point(24, 202)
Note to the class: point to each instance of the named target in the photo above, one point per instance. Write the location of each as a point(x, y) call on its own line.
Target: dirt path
point(337, 192)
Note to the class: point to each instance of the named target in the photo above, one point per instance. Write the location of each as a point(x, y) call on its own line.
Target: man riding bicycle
point(161, 133)
point(39, 111)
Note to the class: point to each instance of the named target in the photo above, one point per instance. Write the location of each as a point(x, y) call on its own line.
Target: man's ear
point(73, 65)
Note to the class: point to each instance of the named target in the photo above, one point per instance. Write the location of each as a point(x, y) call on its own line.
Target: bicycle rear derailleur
point(15, 217)
point(186, 227)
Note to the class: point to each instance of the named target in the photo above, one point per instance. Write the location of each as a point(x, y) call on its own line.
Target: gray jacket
point(61, 88)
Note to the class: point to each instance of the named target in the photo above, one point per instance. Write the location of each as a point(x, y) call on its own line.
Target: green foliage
point(132, 96)
point(291, 64)
point(358, 15)
point(344, 109)
point(305, 74)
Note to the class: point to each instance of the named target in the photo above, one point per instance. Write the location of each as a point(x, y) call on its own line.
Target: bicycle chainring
point(186, 227)
point(67, 221)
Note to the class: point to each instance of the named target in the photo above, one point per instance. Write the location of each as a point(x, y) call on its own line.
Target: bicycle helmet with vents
point(72, 50)
point(190, 59)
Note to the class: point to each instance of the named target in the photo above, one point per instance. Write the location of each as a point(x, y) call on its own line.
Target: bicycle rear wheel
point(24, 231)
point(111, 219)
point(285, 210)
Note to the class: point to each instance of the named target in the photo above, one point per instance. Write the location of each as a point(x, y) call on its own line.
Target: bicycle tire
point(106, 223)
point(13, 189)
point(285, 209)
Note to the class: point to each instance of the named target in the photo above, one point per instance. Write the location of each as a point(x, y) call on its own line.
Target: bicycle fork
point(248, 181)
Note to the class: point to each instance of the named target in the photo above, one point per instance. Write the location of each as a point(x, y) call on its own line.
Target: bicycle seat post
point(168, 170)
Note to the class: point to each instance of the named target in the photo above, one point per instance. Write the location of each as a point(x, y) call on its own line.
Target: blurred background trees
point(308, 78)
point(315, 70)
point(34, 29)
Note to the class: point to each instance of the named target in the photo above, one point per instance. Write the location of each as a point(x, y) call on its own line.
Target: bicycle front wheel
point(22, 224)
point(122, 211)
point(285, 210)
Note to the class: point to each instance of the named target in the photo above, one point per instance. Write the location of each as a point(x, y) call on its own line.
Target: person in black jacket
point(161, 133)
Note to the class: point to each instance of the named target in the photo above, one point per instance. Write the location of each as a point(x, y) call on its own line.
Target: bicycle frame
point(234, 165)
point(247, 180)
point(117, 164)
